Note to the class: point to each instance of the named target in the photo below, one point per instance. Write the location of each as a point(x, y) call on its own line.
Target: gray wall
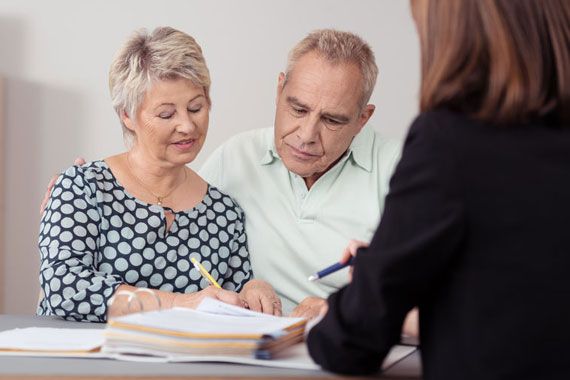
point(55, 54)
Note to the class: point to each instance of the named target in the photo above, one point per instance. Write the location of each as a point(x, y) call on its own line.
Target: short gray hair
point(339, 47)
point(164, 54)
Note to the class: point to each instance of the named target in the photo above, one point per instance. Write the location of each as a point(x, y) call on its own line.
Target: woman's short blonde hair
point(164, 54)
point(339, 47)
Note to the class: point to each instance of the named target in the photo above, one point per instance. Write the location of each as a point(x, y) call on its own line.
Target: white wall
point(55, 56)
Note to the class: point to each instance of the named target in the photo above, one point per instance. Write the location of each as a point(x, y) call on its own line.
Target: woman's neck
point(157, 177)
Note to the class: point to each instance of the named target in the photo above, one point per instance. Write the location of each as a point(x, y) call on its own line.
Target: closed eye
point(298, 111)
point(166, 115)
point(330, 121)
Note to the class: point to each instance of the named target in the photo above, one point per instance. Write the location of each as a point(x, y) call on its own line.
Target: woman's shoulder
point(221, 202)
point(441, 119)
point(445, 127)
point(80, 175)
point(94, 169)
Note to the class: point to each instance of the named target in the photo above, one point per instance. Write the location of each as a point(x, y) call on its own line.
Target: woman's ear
point(127, 122)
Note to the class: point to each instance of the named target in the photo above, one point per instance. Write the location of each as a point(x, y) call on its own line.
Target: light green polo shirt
point(294, 232)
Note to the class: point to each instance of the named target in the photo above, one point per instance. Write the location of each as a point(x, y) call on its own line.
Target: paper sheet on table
point(51, 339)
point(209, 305)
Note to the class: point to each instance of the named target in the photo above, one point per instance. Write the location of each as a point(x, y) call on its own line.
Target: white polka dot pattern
point(94, 236)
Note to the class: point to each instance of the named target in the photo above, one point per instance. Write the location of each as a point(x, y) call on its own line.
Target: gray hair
point(164, 54)
point(339, 48)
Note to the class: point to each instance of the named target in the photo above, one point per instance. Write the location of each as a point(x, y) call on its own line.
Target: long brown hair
point(504, 61)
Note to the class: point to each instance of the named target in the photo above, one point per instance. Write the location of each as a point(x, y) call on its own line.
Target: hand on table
point(310, 307)
point(260, 296)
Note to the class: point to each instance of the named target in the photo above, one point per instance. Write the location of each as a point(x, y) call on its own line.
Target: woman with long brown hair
point(475, 229)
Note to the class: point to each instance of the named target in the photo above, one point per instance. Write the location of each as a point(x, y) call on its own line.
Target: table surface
point(46, 368)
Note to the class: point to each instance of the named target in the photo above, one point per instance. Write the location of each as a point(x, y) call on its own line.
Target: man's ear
point(280, 85)
point(127, 122)
point(365, 115)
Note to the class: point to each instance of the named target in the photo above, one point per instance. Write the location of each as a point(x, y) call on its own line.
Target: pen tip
point(313, 278)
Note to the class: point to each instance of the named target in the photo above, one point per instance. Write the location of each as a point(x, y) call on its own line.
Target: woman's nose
point(185, 124)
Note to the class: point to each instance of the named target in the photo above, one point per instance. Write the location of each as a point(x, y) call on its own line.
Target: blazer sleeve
point(420, 231)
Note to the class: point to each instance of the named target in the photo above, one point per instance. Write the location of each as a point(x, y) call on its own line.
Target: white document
point(51, 339)
point(212, 306)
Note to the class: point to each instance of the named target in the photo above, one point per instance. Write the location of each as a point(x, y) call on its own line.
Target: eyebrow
point(293, 100)
point(172, 104)
point(343, 119)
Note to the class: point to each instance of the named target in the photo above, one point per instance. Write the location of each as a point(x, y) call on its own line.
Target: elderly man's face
point(318, 114)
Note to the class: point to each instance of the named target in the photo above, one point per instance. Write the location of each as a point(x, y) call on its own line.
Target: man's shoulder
point(383, 149)
point(384, 143)
point(242, 153)
point(248, 141)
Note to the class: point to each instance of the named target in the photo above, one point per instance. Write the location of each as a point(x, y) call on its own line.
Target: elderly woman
point(135, 220)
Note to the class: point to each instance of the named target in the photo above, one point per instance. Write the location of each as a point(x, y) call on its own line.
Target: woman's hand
point(260, 296)
point(192, 300)
point(350, 251)
point(411, 325)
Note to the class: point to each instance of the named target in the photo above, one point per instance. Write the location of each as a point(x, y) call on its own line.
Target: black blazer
point(476, 231)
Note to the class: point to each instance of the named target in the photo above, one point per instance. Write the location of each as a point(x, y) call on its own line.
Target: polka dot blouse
point(94, 236)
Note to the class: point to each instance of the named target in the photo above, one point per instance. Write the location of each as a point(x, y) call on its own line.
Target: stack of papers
point(214, 328)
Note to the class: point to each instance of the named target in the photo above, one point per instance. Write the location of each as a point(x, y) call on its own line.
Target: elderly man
point(318, 178)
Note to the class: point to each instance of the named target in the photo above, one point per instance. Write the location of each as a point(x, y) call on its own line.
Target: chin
point(183, 159)
point(295, 167)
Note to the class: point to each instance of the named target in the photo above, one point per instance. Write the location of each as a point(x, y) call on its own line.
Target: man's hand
point(78, 161)
point(260, 296)
point(310, 307)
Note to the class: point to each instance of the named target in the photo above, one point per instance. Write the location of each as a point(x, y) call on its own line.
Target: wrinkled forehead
point(324, 85)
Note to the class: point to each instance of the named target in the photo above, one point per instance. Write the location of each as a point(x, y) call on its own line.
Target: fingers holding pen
point(349, 252)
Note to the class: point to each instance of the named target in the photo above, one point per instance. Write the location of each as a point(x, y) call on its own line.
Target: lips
point(184, 144)
point(303, 155)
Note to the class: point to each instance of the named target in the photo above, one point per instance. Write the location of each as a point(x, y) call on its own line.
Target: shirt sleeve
point(239, 267)
point(69, 235)
point(420, 231)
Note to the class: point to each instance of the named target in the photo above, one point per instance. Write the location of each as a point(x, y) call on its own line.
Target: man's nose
point(308, 129)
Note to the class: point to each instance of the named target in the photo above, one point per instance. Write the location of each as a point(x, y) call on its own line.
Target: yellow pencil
point(205, 273)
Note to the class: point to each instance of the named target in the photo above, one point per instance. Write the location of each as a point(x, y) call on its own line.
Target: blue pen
point(328, 270)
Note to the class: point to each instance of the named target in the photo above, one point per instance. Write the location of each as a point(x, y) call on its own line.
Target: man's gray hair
point(339, 47)
point(164, 54)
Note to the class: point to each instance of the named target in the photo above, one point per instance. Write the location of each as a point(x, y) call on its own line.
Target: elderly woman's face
point(172, 121)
